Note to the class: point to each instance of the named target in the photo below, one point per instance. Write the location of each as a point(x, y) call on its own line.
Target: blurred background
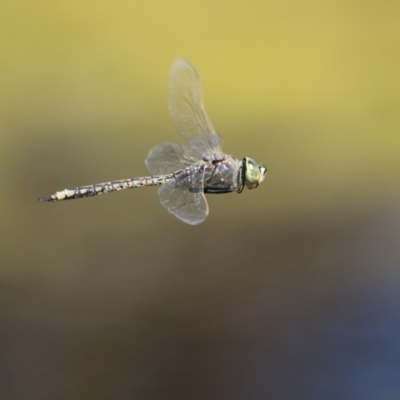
point(287, 292)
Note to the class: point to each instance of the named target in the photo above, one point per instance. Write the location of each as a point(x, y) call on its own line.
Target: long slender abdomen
point(106, 187)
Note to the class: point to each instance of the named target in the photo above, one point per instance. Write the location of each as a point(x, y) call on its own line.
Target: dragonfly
point(184, 173)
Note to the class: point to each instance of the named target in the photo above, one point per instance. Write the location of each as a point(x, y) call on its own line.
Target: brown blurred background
point(287, 292)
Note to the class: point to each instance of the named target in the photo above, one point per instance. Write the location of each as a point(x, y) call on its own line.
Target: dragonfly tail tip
point(47, 198)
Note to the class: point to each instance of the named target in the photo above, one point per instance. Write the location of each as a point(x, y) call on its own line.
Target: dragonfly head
point(253, 173)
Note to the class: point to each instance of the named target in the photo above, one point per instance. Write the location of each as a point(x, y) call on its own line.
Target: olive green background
point(290, 291)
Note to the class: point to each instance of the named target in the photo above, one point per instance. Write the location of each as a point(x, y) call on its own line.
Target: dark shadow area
point(285, 312)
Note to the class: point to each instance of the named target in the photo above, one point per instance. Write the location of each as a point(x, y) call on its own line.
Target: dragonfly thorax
point(223, 176)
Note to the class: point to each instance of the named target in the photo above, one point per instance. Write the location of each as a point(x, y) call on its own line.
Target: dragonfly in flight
point(184, 173)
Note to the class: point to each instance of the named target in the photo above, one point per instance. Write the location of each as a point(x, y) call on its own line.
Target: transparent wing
point(185, 105)
point(166, 158)
point(183, 197)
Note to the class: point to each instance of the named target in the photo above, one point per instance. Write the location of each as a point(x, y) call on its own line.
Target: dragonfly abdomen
point(106, 187)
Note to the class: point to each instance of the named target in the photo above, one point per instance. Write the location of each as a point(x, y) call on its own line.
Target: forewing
point(205, 147)
point(165, 158)
point(185, 102)
point(183, 197)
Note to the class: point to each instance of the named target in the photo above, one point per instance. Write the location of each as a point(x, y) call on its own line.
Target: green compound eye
point(253, 173)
